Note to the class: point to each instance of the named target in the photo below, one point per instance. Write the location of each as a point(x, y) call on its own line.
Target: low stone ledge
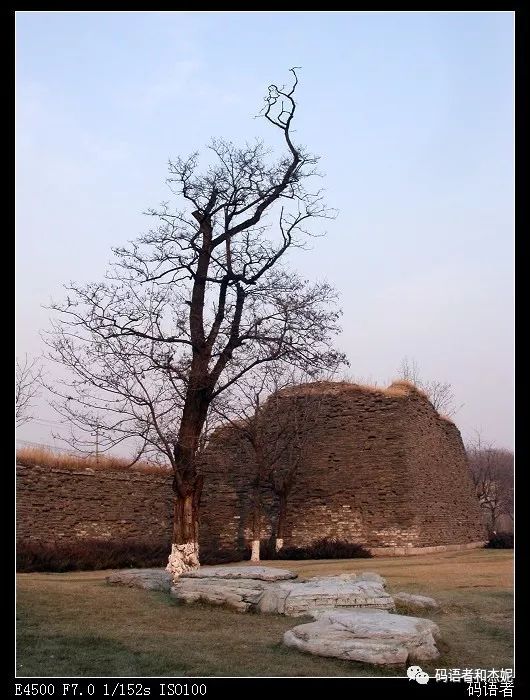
point(150, 579)
point(284, 597)
point(403, 551)
point(415, 601)
point(261, 573)
point(334, 592)
point(371, 576)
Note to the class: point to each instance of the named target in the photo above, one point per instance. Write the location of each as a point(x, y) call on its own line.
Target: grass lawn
point(75, 625)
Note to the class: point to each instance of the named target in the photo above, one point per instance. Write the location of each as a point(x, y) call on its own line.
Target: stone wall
point(382, 468)
point(55, 505)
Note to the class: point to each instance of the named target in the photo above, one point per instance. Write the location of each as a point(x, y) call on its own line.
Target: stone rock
point(262, 573)
point(417, 601)
point(371, 576)
point(261, 589)
point(282, 596)
point(272, 600)
point(239, 594)
point(332, 592)
point(151, 579)
point(375, 637)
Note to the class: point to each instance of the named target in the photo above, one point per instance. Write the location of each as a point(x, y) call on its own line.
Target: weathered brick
point(383, 469)
point(409, 489)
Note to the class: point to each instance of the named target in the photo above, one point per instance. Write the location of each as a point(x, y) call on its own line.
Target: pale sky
point(411, 113)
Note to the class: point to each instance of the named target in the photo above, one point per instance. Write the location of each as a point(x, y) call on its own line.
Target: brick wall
point(61, 504)
point(382, 469)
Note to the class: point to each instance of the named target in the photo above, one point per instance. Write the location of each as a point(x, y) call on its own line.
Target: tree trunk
point(187, 486)
point(492, 520)
point(256, 524)
point(280, 527)
point(187, 483)
point(185, 542)
point(255, 551)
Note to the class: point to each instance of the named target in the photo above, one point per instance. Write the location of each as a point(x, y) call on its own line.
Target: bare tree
point(119, 389)
point(200, 300)
point(296, 416)
point(27, 385)
point(409, 371)
point(243, 409)
point(440, 394)
point(274, 426)
point(492, 474)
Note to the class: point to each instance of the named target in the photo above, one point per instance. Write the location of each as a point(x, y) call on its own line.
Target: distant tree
point(198, 302)
point(298, 421)
point(492, 473)
point(440, 394)
point(409, 371)
point(242, 409)
point(274, 436)
point(28, 376)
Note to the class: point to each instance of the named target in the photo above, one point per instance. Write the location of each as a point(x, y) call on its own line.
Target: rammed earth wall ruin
point(383, 469)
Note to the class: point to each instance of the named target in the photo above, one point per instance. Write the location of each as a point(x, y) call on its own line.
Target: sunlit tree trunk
point(282, 514)
point(187, 487)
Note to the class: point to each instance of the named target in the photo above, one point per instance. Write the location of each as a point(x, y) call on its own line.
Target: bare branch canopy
point(199, 301)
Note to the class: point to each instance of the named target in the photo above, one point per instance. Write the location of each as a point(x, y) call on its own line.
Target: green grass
point(74, 624)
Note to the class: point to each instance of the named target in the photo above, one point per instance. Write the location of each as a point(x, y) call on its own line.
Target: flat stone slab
point(416, 601)
point(261, 573)
point(284, 597)
point(262, 589)
point(151, 579)
point(370, 636)
point(326, 592)
point(240, 594)
point(371, 576)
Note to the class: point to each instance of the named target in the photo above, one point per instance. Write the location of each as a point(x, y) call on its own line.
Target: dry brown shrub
point(44, 457)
